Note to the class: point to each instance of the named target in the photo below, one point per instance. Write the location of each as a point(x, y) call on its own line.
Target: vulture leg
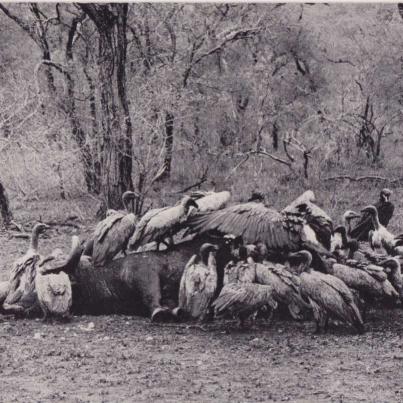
point(326, 325)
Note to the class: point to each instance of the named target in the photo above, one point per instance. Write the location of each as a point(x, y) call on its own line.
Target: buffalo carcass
point(144, 284)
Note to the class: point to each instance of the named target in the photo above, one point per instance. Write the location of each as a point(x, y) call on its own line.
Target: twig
point(197, 184)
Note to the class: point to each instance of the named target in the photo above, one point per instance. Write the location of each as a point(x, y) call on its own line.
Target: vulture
point(393, 269)
point(22, 293)
point(112, 234)
point(385, 210)
point(340, 238)
point(369, 280)
point(199, 283)
point(327, 295)
point(254, 222)
point(285, 285)
point(379, 236)
point(159, 224)
point(53, 285)
point(209, 201)
point(315, 217)
point(241, 297)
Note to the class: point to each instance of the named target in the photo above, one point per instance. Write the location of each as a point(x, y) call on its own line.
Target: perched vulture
point(22, 293)
point(241, 296)
point(53, 285)
point(315, 217)
point(112, 234)
point(385, 210)
point(199, 283)
point(285, 284)
point(256, 223)
point(369, 280)
point(209, 201)
point(328, 296)
point(340, 237)
point(379, 236)
point(159, 224)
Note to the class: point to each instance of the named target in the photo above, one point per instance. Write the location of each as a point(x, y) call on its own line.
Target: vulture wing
point(254, 222)
point(107, 248)
point(103, 227)
point(236, 298)
point(385, 212)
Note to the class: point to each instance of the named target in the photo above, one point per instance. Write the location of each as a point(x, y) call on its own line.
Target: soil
point(129, 359)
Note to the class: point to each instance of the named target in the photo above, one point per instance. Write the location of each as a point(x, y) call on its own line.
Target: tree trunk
point(274, 136)
point(169, 140)
point(90, 175)
point(6, 214)
point(116, 127)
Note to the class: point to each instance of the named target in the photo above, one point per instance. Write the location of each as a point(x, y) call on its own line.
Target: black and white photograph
point(201, 202)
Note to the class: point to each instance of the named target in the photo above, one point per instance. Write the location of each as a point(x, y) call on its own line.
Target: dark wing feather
point(385, 212)
point(253, 221)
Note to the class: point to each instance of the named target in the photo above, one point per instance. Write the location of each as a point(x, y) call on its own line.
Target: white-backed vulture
point(53, 285)
point(162, 223)
point(256, 223)
point(315, 217)
point(209, 201)
point(285, 285)
point(199, 283)
point(112, 234)
point(328, 296)
point(385, 210)
point(241, 296)
point(22, 291)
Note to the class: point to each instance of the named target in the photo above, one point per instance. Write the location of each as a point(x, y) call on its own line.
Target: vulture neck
point(126, 200)
point(306, 260)
point(204, 257)
point(375, 220)
point(347, 225)
point(33, 245)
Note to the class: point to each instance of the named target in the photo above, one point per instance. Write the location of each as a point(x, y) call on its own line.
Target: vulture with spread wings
point(254, 222)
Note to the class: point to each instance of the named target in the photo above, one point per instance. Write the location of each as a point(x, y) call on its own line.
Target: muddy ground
point(128, 359)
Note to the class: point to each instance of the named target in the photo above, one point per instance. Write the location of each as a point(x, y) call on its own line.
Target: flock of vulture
point(227, 260)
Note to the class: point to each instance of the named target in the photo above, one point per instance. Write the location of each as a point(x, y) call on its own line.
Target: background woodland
point(97, 99)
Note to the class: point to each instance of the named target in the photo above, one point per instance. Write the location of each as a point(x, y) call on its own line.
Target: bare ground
point(119, 358)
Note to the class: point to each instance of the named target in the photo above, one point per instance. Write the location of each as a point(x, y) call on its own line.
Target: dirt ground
point(129, 359)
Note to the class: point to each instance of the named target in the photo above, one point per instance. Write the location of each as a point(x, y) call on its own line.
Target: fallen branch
point(19, 235)
point(62, 224)
point(362, 178)
point(262, 153)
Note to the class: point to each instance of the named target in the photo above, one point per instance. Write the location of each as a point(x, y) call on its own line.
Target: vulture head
point(127, 197)
point(257, 197)
point(303, 258)
point(187, 202)
point(371, 210)
point(205, 251)
point(350, 215)
point(40, 228)
point(385, 195)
